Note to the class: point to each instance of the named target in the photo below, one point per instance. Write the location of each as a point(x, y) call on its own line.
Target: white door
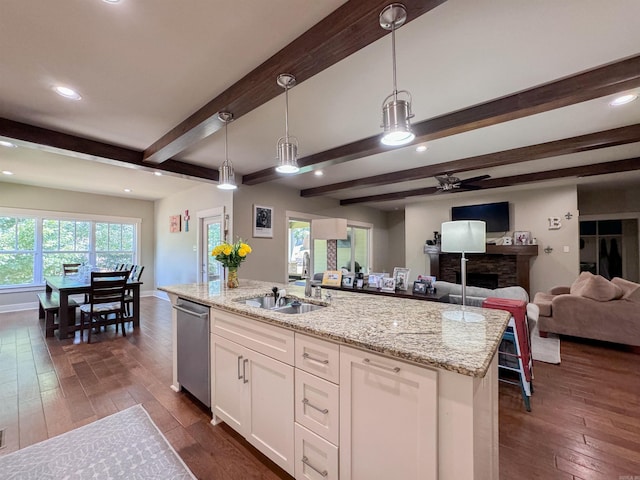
point(271, 406)
point(212, 235)
point(388, 418)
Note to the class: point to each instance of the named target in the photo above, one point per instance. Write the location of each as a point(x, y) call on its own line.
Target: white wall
point(176, 255)
point(36, 198)
point(530, 210)
point(268, 260)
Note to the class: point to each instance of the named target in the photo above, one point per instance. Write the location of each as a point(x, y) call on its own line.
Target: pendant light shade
point(396, 111)
point(227, 180)
point(287, 148)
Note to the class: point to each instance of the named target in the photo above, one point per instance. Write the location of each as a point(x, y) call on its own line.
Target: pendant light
point(227, 180)
point(287, 148)
point(396, 113)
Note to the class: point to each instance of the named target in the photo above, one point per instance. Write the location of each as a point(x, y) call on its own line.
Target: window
point(299, 234)
point(17, 250)
point(32, 247)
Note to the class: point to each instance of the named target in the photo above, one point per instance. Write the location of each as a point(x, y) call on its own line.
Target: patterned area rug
point(126, 444)
point(545, 349)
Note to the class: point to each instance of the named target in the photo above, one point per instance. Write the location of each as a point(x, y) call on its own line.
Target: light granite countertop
point(417, 331)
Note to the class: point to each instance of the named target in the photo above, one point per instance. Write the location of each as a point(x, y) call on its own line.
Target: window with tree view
point(33, 247)
point(17, 250)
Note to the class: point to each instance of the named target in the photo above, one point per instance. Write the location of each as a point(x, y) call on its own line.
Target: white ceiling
point(143, 66)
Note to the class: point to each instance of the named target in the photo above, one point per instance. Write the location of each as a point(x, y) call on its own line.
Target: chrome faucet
point(306, 267)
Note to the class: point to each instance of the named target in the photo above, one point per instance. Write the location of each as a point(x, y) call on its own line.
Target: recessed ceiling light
point(318, 173)
point(4, 143)
point(128, 190)
point(623, 99)
point(421, 148)
point(7, 172)
point(157, 174)
point(111, 1)
point(67, 92)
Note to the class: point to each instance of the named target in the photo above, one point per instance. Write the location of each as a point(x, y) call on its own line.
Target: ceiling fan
point(448, 183)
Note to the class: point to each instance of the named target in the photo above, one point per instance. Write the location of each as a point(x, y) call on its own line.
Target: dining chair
point(70, 268)
point(136, 274)
point(106, 302)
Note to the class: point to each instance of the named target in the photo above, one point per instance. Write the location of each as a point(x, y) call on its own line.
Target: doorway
point(212, 233)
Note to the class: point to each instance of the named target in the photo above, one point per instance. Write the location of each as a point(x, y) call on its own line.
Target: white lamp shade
point(468, 236)
point(329, 228)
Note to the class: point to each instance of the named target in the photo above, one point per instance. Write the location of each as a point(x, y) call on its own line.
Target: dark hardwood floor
point(584, 424)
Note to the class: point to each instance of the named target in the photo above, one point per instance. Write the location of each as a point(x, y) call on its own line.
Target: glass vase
point(232, 278)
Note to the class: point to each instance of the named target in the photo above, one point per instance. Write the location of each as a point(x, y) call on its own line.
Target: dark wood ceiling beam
point(349, 28)
point(604, 168)
point(581, 143)
point(79, 147)
point(595, 83)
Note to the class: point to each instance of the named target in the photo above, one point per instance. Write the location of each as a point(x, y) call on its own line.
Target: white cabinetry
point(252, 392)
point(388, 418)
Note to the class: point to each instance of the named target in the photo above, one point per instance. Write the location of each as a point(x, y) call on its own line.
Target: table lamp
point(464, 236)
point(331, 230)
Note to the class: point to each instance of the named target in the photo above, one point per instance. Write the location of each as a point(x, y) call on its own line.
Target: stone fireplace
point(501, 266)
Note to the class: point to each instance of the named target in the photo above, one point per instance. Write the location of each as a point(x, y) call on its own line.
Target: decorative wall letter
point(554, 223)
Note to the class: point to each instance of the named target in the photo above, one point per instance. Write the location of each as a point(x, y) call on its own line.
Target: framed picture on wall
point(262, 221)
point(174, 223)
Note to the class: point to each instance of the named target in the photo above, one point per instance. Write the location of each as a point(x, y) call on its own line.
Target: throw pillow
point(578, 285)
point(598, 288)
point(630, 290)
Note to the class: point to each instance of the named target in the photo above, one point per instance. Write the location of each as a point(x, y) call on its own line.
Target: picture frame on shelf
point(521, 238)
point(388, 284)
point(332, 278)
point(262, 221)
point(373, 280)
point(429, 280)
point(401, 276)
point(348, 280)
point(419, 287)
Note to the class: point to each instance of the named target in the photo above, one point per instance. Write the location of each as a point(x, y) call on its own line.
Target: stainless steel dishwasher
point(193, 349)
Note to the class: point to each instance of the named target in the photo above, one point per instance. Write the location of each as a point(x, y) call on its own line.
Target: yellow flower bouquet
point(231, 254)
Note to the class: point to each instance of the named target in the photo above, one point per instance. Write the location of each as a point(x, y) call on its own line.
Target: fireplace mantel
point(520, 256)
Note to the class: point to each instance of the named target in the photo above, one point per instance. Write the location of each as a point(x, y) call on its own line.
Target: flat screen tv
point(495, 215)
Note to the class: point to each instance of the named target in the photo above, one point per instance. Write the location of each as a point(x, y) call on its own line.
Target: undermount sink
point(297, 307)
point(260, 302)
point(285, 304)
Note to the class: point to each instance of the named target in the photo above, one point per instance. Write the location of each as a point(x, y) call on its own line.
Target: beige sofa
point(592, 307)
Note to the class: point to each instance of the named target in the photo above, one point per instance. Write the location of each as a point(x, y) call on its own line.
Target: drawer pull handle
point(305, 460)
point(239, 374)
point(306, 356)
point(244, 370)
point(383, 367)
point(321, 410)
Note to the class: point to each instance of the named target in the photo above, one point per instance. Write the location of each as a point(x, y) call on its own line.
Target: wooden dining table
point(67, 285)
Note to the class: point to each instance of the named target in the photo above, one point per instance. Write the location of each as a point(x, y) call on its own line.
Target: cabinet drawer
point(319, 357)
point(316, 459)
point(317, 405)
point(269, 340)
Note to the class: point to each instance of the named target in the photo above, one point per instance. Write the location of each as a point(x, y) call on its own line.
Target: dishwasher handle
point(191, 312)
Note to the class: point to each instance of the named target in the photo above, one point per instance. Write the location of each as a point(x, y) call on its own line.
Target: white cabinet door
point(270, 404)
point(253, 394)
point(388, 418)
point(227, 387)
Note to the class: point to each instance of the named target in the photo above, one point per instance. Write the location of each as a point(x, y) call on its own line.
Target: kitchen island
point(401, 388)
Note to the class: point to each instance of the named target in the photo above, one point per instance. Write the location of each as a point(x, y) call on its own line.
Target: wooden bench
point(49, 309)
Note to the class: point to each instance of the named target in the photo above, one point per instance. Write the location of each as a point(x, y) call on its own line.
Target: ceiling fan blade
point(470, 187)
point(476, 179)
